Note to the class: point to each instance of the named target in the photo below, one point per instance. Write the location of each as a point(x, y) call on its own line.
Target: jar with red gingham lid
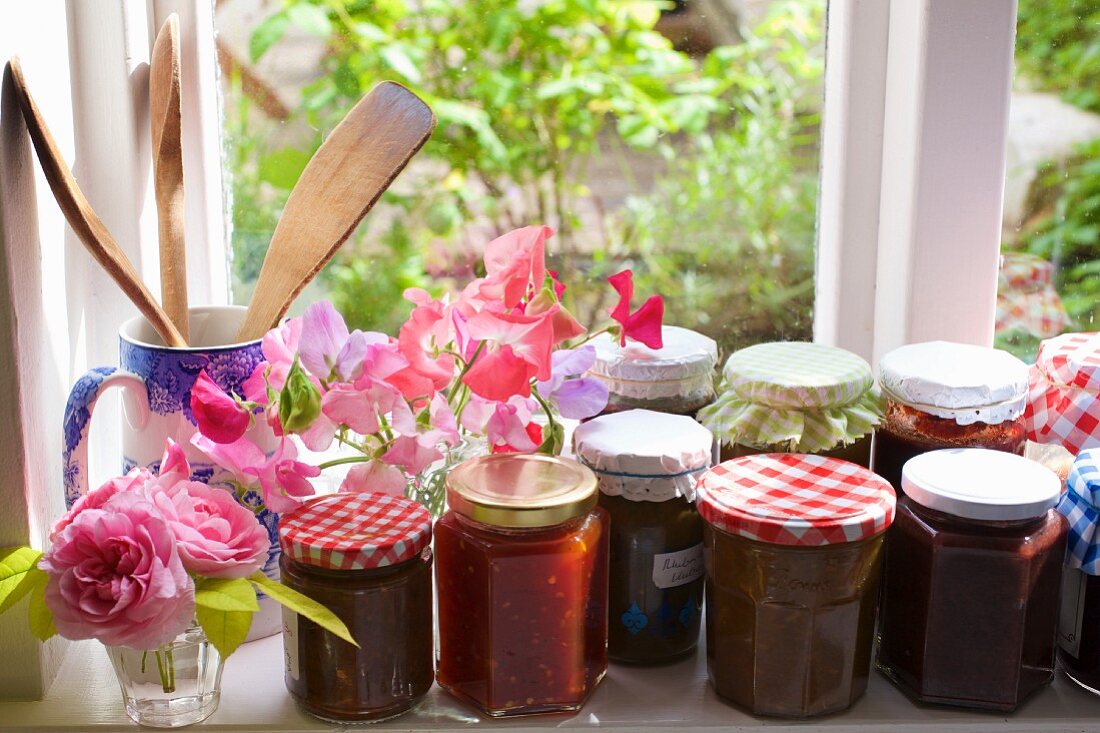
point(793, 547)
point(1063, 405)
point(366, 557)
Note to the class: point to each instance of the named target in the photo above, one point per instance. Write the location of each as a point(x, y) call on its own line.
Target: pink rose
point(115, 576)
point(215, 536)
point(219, 417)
point(98, 497)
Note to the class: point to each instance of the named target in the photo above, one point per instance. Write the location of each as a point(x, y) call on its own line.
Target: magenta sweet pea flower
point(219, 417)
point(215, 536)
point(283, 479)
point(642, 325)
point(115, 576)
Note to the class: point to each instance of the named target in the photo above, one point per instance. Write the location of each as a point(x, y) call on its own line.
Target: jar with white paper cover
point(677, 378)
point(646, 464)
point(941, 394)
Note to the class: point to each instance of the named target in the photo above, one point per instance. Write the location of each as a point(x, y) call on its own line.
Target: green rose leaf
point(39, 615)
point(223, 594)
point(299, 402)
point(226, 630)
point(267, 33)
point(303, 605)
point(16, 576)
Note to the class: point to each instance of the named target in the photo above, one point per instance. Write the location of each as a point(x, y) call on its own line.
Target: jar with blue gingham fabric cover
point(1079, 623)
point(795, 397)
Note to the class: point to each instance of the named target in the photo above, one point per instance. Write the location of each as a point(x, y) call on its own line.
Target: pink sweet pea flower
point(173, 465)
point(415, 452)
point(565, 325)
point(131, 482)
point(235, 457)
point(284, 480)
point(219, 417)
point(534, 436)
point(215, 536)
point(115, 576)
point(374, 477)
point(426, 330)
point(279, 346)
point(515, 265)
point(642, 325)
point(509, 428)
point(500, 374)
point(443, 419)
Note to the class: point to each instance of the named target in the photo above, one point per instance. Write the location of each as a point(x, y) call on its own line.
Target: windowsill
point(654, 700)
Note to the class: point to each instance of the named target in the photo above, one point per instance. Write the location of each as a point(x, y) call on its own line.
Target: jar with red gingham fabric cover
point(793, 548)
point(366, 557)
point(1063, 405)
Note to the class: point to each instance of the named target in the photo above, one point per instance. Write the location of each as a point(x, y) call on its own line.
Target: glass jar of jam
point(1063, 405)
point(946, 395)
point(522, 578)
point(973, 575)
point(646, 464)
point(793, 563)
point(677, 378)
point(367, 558)
point(1079, 621)
point(795, 397)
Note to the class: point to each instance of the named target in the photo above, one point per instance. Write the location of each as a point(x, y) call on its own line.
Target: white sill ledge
point(85, 697)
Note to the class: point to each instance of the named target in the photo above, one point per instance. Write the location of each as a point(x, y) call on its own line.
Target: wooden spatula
point(166, 118)
point(78, 212)
point(343, 180)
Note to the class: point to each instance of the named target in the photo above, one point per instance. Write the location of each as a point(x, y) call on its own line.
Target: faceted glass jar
point(970, 607)
point(908, 431)
point(1079, 629)
point(172, 686)
point(789, 628)
point(657, 577)
point(522, 612)
point(388, 611)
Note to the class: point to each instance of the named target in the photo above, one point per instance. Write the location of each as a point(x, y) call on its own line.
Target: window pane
point(678, 139)
point(1052, 197)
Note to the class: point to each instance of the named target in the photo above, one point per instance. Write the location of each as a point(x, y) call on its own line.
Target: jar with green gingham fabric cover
point(795, 397)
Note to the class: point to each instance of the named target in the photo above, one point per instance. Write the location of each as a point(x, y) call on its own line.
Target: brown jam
point(388, 611)
point(1079, 640)
point(970, 607)
point(789, 628)
point(907, 432)
point(858, 452)
point(522, 612)
point(657, 576)
point(675, 405)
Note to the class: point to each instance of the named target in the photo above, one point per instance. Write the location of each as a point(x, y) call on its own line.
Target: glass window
point(1052, 196)
point(679, 139)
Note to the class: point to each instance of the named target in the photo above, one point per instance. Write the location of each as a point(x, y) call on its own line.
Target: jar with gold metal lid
point(521, 572)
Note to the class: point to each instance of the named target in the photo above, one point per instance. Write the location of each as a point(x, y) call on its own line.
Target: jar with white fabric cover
point(646, 464)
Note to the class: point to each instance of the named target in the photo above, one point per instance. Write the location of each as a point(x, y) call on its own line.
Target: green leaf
point(16, 578)
point(39, 615)
point(283, 167)
point(310, 18)
point(226, 630)
point(223, 594)
point(303, 605)
point(270, 30)
point(398, 59)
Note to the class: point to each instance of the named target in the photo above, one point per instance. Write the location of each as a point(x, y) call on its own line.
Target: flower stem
point(343, 461)
point(458, 382)
point(166, 669)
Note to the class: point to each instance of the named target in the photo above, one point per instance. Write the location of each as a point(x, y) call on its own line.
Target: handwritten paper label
point(1072, 613)
point(672, 569)
point(290, 642)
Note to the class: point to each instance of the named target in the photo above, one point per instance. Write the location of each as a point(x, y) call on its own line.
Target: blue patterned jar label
point(673, 569)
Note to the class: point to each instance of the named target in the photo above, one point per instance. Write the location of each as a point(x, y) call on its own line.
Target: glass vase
point(429, 486)
point(177, 684)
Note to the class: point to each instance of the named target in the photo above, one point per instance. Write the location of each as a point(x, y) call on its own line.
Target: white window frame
point(913, 160)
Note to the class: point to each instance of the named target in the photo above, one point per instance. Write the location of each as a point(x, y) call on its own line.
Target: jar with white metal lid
point(973, 577)
point(940, 394)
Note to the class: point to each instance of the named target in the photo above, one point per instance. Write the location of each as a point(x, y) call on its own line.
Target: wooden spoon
point(343, 180)
point(78, 212)
point(166, 118)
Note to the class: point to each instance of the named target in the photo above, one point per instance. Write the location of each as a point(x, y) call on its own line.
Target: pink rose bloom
point(115, 576)
point(219, 417)
point(132, 481)
point(215, 536)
